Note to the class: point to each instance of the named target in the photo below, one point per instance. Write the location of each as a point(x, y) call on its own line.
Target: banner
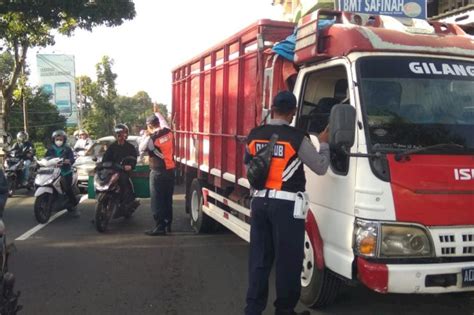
point(397, 8)
point(57, 77)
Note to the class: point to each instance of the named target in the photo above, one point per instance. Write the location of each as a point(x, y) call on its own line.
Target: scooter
point(50, 193)
point(109, 205)
point(14, 168)
point(8, 297)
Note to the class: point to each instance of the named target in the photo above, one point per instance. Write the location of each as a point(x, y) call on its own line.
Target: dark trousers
point(126, 186)
point(274, 236)
point(161, 191)
point(67, 184)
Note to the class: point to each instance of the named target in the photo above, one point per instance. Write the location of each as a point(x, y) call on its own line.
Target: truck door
point(331, 196)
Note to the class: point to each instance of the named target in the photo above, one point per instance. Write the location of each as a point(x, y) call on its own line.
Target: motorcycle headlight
point(387, 240)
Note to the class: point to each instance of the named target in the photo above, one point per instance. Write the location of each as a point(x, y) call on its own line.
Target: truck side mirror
point(342, 126)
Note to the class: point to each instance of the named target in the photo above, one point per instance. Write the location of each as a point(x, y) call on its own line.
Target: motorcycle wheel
point(42, 208)
point(103, 212)
point(11, 187)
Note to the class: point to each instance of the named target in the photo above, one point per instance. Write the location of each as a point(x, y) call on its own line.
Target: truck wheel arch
point(315, 237)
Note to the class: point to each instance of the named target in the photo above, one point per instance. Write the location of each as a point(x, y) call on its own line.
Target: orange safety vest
point(286, 169)
point(162, 158)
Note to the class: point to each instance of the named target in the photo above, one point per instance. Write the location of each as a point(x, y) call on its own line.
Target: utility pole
point(25, 110)
point(3, 133)
point(79, 105)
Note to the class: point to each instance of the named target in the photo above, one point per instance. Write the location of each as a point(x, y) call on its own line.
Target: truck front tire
point(200, 222)
point(319, 287)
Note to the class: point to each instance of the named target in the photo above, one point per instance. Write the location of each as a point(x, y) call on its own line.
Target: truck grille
point(451, 242)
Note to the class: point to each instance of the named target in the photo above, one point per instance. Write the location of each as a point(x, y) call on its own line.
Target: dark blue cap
point(285, 101)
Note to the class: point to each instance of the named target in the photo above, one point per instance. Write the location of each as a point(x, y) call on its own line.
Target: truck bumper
point(413, 278)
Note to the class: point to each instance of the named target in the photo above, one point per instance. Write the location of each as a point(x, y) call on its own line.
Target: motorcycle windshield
point(104, 176)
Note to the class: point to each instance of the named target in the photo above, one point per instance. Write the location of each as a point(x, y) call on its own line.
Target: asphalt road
point(69, 268)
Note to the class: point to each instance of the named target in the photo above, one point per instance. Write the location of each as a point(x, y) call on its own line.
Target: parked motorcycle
point(50, 193)
point(8, 297)
point(14, 169)
point(109, 205)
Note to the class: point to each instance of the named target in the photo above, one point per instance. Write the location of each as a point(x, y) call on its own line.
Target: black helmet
point(120, 128)
point(58, 133)
point(22, 136)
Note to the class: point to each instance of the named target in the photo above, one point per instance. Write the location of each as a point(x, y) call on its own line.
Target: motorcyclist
point(3, 192)
point(124, 153)
point(59, 148)
point(25, 150)
point(83, 143)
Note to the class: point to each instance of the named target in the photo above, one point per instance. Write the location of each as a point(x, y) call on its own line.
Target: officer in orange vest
point(276, 235)
point(161, 151)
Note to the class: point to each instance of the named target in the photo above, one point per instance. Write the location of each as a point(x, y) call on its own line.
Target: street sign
point(397, 8)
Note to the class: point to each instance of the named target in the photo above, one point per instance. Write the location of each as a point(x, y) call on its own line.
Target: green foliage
point(40, 149)
point(30, 23)
point(63, 14)
point(43, 117)
point(134, 110)
point(6, 65)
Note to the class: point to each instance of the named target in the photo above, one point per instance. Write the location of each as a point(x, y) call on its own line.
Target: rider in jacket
point(60, 149)
point(123, 153)
point(25, 150)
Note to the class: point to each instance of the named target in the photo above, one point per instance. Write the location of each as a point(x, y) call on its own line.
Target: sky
point(163, 35)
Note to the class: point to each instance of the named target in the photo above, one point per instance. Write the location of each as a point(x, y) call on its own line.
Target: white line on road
point(39, 226)
point(29, 233)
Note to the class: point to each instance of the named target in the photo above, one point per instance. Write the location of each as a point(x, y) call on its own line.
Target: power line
point(42, 125)
point(40, 112)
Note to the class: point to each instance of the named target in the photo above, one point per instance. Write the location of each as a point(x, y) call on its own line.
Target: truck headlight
point(402, 241)
point(388, 240)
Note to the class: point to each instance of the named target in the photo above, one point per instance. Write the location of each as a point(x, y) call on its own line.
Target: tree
point(44, 116)
point(134, 110)
point(100, 119)
point(30, 23)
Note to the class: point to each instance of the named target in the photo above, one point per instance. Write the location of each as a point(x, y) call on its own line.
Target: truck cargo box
point(218, 97)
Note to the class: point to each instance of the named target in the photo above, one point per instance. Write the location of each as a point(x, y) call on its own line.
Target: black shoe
point(158, 230)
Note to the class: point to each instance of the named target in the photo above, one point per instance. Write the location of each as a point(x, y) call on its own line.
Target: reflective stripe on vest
point(164, 145)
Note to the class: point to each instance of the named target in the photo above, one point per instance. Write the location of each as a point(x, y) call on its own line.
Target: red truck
point(395, 210)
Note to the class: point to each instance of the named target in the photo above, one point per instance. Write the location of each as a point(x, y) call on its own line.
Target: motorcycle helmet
point(22, 136)
point(59, 133)
point(119, 128)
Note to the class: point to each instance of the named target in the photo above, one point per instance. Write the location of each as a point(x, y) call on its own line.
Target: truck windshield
point(413, 103)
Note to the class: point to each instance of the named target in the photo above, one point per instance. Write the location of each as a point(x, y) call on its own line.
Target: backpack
point(259, 165)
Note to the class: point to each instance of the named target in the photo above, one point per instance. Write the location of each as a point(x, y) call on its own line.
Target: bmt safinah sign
point(398, 8)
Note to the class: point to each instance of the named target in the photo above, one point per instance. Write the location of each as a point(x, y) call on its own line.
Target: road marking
point(29, 233)
point(39, 226)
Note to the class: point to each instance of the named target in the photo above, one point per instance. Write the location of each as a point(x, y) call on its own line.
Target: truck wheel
point(42, 208)
point(200, 222)
point(319, 288)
